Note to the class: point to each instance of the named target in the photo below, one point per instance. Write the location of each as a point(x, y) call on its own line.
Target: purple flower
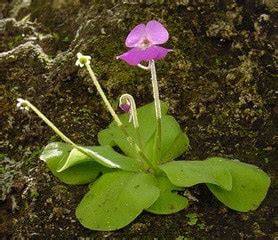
point(125, 107)
point(143, 41)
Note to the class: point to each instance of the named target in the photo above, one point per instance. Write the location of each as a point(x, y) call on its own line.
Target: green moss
point(15, 41)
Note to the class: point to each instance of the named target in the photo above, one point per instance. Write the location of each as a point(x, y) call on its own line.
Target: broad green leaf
point(147, 126)
point(106, 136)
point(173, 141)
point(116, 199)
point(106, 156)
point(249, 188)
point(170, 130)
point(171, 148)
point(80, 174)
point(168, 201)
point(115, 137)
point(146, 119)
point(177, 148)
point(189, 173)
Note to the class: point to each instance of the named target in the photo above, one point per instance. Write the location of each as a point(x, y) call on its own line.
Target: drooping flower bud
point(125, 107)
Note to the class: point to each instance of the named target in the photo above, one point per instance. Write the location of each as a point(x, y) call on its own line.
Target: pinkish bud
point(125, 107)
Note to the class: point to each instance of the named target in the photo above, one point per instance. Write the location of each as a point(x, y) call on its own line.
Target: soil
point(219, 83)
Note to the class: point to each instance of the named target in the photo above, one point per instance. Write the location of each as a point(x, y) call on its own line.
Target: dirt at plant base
point(219, 83)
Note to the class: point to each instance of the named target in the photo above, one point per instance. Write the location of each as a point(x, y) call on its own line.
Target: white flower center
point(145, 43)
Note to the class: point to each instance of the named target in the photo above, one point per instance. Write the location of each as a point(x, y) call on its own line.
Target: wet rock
point(59, 212)
point(221, 29)
point(138, 228)
point(17, 5)
point(62, 194)
point(219, 82)
point(57, 4)
point(272, 5)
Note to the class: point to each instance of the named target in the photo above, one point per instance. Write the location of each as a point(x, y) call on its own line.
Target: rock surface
point(219, 83)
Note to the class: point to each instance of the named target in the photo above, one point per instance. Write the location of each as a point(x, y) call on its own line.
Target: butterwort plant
point(146, 174)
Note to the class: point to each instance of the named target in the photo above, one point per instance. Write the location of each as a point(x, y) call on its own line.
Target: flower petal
point(154, 53)
point(161, 52)
point(156, 32)
point(132, 57)
point(136, 55)
point(135, 35)
point(149, 54)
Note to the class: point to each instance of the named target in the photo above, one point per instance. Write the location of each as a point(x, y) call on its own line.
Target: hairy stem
point(117, 120)
point(157, 146)
point(89, 153)
point(102, 94)
point(144, 67)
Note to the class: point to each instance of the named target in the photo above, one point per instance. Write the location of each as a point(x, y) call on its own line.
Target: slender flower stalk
point(155, 90)
point(127, 104)
point(25, 104)
point(102, 94)
point(144, 41)
point(157, 145)
point(144, 67)
point(85, 60)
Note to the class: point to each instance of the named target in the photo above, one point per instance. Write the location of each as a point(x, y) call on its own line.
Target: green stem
point(102, 94)
point(117, 120)
point(157, 146)
point(90, 153)
point(157, 143)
